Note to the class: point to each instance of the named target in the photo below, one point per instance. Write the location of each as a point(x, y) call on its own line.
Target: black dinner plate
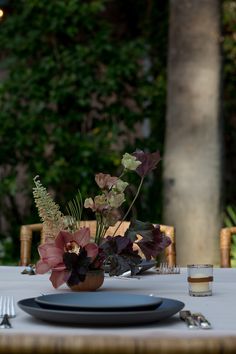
point(95, 301)
point(167, 308)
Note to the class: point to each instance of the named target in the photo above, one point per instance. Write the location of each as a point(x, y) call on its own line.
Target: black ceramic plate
point(104, 301)
point(167, 309)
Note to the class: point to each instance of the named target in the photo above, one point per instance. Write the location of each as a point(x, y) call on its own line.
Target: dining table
point(30, 334)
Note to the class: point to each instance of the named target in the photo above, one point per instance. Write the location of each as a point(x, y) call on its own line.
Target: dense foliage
point(82, 81)
point(229, 87)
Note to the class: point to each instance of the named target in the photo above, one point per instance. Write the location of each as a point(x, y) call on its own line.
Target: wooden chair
point(26, 235)
point(225, 246)
point(27, 231)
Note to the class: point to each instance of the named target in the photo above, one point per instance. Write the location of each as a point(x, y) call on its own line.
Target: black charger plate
point(168, 308)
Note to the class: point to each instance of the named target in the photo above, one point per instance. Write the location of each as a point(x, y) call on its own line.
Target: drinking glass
point(200, 278)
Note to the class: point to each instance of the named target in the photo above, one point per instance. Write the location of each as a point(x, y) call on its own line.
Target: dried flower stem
point(74, 209)
point(130, 207)
point(101, 229)
point(48, 210)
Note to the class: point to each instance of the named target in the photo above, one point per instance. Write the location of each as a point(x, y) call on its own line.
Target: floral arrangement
point(69, 250)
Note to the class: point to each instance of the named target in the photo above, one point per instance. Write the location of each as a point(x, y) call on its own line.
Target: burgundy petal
point(42, 267)
point(50, 254)
point(82, 236)
point(58, 278)
point(54, 258)
point(60, 267)
point(149, 162)
point(63, 238)
point(92, 250)
point(42, 249)
point(156, 246)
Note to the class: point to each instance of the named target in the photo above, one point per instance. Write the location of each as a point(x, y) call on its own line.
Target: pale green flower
point(130, 162)
point(115, 200)
point(101, 203)
point(88, 203)
point(120, 185)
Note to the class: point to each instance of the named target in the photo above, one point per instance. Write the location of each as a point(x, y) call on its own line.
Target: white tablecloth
point(220, 308)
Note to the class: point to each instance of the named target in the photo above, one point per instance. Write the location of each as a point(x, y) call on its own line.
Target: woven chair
point(225, 246)
point(27, 232)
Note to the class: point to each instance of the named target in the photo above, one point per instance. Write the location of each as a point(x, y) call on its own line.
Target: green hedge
point(79, 77)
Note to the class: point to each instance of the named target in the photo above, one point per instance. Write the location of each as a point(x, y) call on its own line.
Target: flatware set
point(7, 311)
point(194, 320)
point(164, 268)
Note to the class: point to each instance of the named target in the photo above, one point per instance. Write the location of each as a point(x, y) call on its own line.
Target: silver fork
point(165, 269)
point(7, 311)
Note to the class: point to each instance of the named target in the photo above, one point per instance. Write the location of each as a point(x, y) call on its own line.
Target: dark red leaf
point(148, 160)
point(153, 248)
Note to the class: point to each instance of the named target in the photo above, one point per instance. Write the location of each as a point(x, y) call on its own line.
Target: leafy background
point(229, 113)
point(83, 82)
point(82, 78)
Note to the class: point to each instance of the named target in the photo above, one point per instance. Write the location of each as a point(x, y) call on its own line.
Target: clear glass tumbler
point(200, 278)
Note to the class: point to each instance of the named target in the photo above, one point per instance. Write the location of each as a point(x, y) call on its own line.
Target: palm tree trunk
point(192, 161)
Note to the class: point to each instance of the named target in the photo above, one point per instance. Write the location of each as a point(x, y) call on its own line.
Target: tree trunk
point(192, 161)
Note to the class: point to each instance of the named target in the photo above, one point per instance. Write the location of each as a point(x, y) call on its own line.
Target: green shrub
point(79, 77)
point(229, 102)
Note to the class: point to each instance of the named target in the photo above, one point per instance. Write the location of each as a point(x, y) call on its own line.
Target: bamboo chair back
point(225, 246)
point(26, 235)
point(27, 232)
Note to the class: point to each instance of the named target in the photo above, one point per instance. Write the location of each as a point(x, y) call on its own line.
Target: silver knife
point(201, 320)
point(186, 316)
